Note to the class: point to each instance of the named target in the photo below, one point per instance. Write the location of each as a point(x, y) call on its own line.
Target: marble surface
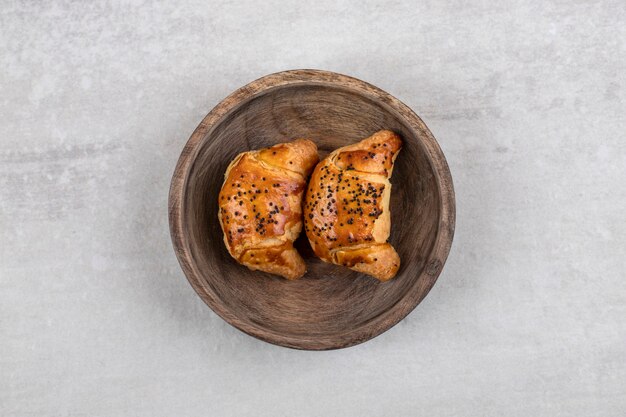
point(528, 102)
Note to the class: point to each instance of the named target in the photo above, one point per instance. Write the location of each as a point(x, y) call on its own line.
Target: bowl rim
point(434, 262)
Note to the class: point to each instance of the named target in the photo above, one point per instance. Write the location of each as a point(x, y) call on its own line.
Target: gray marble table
point(528, 102)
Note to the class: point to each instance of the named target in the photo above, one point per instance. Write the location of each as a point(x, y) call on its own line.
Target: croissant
point(346, 209)
point(260, 206)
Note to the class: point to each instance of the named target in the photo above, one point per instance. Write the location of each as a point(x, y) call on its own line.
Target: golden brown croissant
point(346, 208)
point(260, 206)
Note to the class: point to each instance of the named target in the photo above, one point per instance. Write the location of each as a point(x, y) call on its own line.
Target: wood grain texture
point(330, 307)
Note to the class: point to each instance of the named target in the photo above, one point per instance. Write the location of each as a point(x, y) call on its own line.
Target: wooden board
point(330, 307)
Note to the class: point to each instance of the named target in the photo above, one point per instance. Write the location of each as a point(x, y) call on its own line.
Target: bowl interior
point(329, 300)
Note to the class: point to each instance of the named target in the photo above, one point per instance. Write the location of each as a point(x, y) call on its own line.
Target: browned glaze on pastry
point(261, 206)
point(347, 217)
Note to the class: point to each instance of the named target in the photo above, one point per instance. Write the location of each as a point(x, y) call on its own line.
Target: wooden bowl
point(331, 306)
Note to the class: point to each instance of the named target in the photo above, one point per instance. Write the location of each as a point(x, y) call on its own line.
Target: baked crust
point(260, 206)
point(346, 211)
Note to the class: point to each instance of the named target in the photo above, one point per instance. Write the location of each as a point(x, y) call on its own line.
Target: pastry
point(346, 208)
point(260, 206)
